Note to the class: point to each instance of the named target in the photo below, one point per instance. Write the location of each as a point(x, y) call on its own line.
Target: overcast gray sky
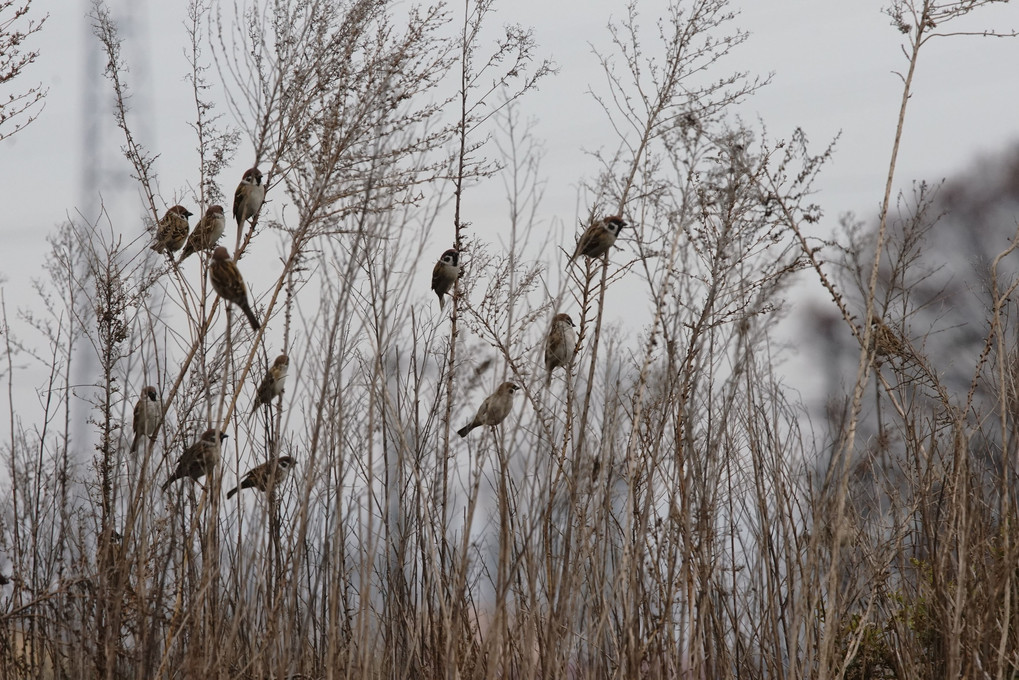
point(833, 66)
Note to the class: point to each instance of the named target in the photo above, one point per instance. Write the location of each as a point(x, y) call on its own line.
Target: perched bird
point(265, 476)
point(599, 237)
point(886, 342)
point(249, 197)
point(206, 233)
point(445, 273)
point(198, 459)
point(493, 409)
point(172, 230)
point(273, 382)
point(226, 280)
point(146, 416)
point(560, 345)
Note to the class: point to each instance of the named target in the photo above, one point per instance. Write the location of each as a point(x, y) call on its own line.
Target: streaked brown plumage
point(265, 476)
point(207, 232)
point(248, 197)
point(147, 411)
point(226, 280)
point(273, 382)
point(599, 237)
point(493, 409)
point(172, 230)
point(886, 342)
point(445, 273)
point(560, 345)
point(198, 459)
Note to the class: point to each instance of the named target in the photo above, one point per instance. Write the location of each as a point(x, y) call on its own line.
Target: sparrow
point(226, 280)
point(886, 342)
point(273, 382)
point(599, 237)
point(146, 416)
point(265, 476)
point(249, 197)
point(206, 233)
point(445, 273)
point(560, 345)
point(172, 230)
point(199, 458)
point(493, 409)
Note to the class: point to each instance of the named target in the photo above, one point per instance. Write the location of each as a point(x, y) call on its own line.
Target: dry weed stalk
point(663, 511)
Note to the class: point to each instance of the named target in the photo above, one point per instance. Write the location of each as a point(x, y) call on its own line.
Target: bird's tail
point(251, 316)
point(230, 494)
point(581, 244)
point(463, 431)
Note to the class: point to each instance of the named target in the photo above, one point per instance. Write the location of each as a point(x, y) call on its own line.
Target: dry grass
point(665, 512)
